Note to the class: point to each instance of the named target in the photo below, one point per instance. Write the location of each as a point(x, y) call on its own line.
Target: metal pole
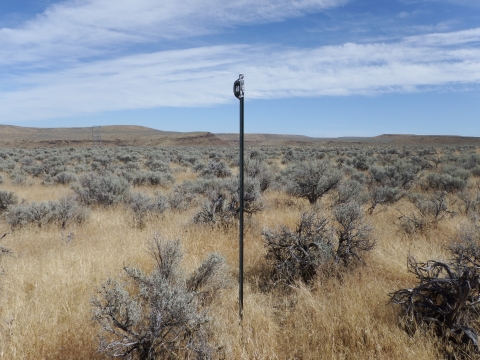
point(240, 294)
point(239, 91)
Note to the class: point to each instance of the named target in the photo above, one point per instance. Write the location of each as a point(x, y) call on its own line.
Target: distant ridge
point(428, 139)
point(115, 135)
point(393, 139)
point(132, 135)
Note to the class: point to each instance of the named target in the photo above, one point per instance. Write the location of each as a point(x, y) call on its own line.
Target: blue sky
point(322, 68)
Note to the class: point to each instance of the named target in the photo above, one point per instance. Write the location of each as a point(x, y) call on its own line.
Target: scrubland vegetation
point(351, 252)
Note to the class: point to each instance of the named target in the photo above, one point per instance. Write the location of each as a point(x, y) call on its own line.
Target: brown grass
point(47, 285)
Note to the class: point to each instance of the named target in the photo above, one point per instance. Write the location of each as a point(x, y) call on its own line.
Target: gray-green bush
point(311, 180)
point(153, 178)
point(62, 212)
point(106, 190)
point(7, 198)
point(163, 314)
point(354, 234)
point(444, 182)
point(65, 178)
point(216, 168)
point(143, 206)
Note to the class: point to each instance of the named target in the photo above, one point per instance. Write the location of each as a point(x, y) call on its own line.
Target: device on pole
point(239, 92)
point(239, 87)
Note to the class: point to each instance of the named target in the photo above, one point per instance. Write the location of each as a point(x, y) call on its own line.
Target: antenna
point(97, 136)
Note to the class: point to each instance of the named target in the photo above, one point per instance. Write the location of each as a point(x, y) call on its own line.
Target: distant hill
point(117, 135)
point(131, 135)
point(272, 139)
point(427, 139)
point(393, 139)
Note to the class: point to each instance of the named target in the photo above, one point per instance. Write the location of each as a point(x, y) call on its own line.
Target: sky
point(321, 68)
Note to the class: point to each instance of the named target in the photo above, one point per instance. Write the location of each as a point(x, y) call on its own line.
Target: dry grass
point(47, 285)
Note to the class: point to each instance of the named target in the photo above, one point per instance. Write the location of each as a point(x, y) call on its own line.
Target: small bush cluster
point(216, 168)
point(350, 190)
point(106, 190)
point(163, 314)
point(153, 178)
point(65, 178)
point(444, 182)
point(256, 169)
point(429, 210)
point(7, 198)
point(67, 210)
point(142, 206)
point(354, 234)
point(311, 180)
point(223, 206)
point(300, 254)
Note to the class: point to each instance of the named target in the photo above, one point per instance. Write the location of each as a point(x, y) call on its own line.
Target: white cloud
point(204, 76)
point(44, 76)
point(455, 38)
point(82, 28)
point(406, 14)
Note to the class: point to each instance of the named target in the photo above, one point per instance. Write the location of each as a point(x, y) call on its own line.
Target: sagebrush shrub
point(18, 177)
point(257, 169)
point(223, 206)
point(7, 198)
point(48, 181)
point(143, 206)
point(430, 209)
point(34, 170)
point(20, 215)
point(400, 175)
point(349, 190)
point(216, 168)
point(216, 210)
point(252, 196)
point(157, 165)
point(311, 180)
point(65, 178)
point(106, 190)
point(163, 314)
point(178, 201)
point(361, 162)
point(469, 201)
point(469, 161)
point(354, 234)
point(298, 254)
point(444, 182)
point(65, 211)
point(153, 178)
point(455, 171)
point(385, 195)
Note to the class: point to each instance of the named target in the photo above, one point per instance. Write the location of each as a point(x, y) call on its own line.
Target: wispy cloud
point(203, 76)
point(88, 28)
point(67, 61)
point(409, 14)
